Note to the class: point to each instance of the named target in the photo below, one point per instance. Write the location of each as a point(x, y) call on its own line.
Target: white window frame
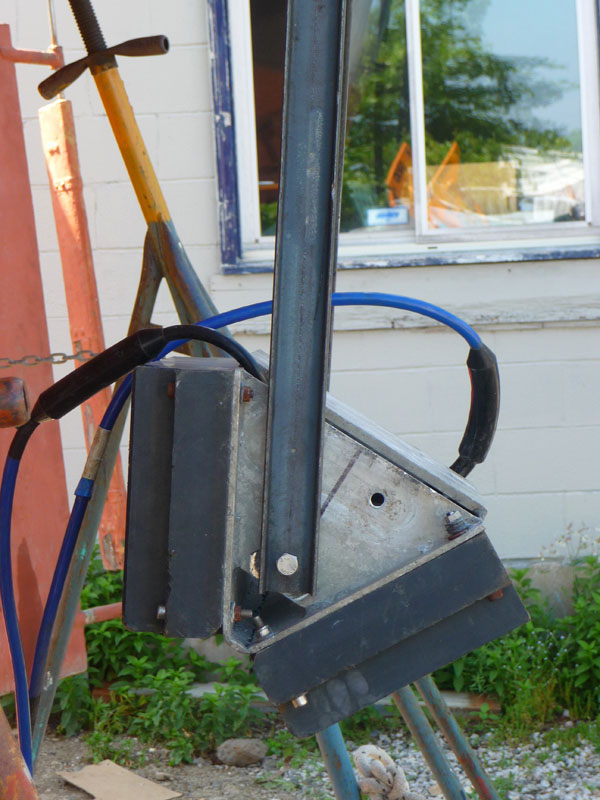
point(377, 248)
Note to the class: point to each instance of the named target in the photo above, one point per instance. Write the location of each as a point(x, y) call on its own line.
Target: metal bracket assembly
point(406, 579)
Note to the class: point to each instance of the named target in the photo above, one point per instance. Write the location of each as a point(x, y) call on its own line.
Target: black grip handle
point(483, 414)
point(58, 81)
point(65, 76)
point(142, 46)
point(102, 370)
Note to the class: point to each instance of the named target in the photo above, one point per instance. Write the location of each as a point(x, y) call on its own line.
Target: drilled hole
point(377, 499)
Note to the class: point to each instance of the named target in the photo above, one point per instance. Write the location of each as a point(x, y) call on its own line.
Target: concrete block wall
point(541, 319)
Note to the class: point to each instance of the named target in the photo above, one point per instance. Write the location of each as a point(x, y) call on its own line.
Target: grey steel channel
point(305, 257)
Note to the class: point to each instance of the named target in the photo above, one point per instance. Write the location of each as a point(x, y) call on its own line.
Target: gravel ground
point(533, 771)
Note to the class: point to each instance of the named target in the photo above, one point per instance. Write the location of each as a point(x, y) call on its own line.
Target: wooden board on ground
point(109, 781)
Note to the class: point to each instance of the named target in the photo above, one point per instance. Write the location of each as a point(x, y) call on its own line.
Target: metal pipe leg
point(338, 764)
point(456, 738)
point(425, 738)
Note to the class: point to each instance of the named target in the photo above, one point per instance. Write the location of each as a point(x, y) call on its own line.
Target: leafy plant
point(545, 665)
point(149, 678)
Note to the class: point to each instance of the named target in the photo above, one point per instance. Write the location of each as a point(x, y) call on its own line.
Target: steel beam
point(305, 257)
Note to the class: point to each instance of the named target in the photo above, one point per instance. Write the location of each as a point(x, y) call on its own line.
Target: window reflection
point(502, 114)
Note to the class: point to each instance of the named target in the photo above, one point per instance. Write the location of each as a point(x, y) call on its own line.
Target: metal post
point(305, 257)
point(85, 319)
point(425, 738)
point(456, 738)
point(338, 764)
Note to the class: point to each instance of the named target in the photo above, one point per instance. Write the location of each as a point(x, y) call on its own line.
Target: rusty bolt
point(456, 524)
point(14, 402)
point(238, 614)
point(171, 389)
point(498, 595)
point(247, 394)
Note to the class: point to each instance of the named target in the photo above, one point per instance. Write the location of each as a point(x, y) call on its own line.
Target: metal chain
point(53, 358)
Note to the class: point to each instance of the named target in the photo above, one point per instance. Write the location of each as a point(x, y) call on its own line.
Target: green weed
point(536, 671)
point(544, 666)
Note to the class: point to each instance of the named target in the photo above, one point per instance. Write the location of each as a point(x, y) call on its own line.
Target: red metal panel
point(66, 188)
point(41, 505)
point(15, 778)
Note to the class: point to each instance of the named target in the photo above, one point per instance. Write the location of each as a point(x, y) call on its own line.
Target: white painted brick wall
point(543, 473)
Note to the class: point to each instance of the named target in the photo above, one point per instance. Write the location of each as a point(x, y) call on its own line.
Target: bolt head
point(263, 632)
point(247, 394)
point(300, 701)
point(287, 564)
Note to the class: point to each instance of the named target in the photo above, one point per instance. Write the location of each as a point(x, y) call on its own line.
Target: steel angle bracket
point(404, 570)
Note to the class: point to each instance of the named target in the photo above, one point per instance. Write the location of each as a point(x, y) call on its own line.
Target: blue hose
point(112, 412)
point(9, 610)
point(349, 299)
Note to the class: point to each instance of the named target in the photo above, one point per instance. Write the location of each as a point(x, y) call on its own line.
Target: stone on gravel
point(241, 752)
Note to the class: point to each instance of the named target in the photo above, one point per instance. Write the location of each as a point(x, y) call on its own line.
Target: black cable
point(133, 351)
point(220, 340)
point(20, 439)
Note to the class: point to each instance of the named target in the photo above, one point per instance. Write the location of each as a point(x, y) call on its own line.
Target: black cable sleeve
point(220, 340)
point(483, 414)
point(139, 348)
point(102, 370)
point(20, 439)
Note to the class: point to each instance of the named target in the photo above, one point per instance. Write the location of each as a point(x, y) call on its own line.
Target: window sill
point(259, 258)
point(521, 288)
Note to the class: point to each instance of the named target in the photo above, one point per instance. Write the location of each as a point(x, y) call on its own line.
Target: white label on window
point(398, 215)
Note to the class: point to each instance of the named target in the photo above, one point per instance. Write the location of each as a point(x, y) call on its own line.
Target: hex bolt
point(247, 394)
point(455, 524)
point(287, 564)
point(300, 701)
point(161, 612)
point(263, 632)
point(238, 614)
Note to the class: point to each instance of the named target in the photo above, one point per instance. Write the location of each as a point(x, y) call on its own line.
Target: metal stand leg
point(338, 764)
point(456, 738)
point(425, 738)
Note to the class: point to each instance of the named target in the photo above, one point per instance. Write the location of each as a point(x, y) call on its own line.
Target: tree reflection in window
point(502, 128)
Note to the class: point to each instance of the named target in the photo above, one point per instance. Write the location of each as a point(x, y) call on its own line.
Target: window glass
point(503, 141)
point(502, 112)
